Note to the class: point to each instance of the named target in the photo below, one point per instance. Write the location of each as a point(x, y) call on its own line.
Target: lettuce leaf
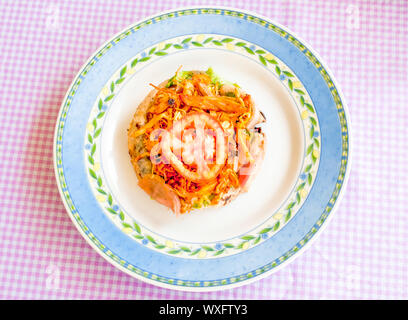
point(179, 77)
point(215, 79)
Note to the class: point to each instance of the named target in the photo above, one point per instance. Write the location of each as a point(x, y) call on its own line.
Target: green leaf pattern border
point(216, 249)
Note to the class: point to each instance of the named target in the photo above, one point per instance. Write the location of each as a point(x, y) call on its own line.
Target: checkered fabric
point(361, 254)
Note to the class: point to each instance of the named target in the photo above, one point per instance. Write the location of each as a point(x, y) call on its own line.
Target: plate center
point(274, 182)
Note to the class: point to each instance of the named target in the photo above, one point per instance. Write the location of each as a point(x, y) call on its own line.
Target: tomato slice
point(156, 188)
point(191, 137)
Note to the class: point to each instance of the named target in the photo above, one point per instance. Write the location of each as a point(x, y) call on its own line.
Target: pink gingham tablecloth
point(363, 252)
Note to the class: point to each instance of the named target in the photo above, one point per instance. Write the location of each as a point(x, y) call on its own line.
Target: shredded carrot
point(195, 94)
point(148, 125)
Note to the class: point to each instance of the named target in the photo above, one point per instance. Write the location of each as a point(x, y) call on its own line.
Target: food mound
point(194, 141)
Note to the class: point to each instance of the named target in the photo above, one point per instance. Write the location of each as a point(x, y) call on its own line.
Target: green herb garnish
point(179, 77)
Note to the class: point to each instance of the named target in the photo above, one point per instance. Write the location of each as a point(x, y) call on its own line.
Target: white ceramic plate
point(292, 196)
